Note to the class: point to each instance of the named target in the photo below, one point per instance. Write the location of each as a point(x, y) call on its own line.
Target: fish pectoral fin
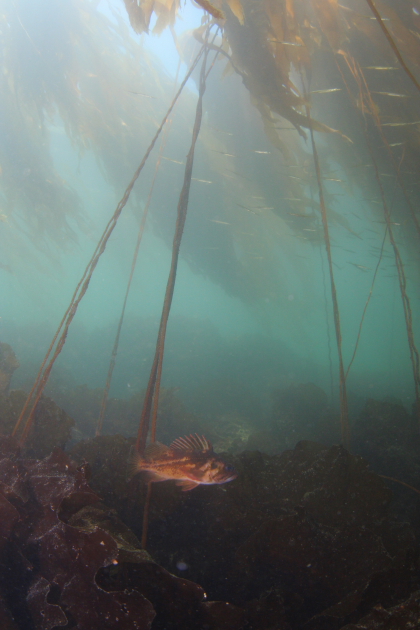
point(134, 463)
point(187, 484)
point(150, 476)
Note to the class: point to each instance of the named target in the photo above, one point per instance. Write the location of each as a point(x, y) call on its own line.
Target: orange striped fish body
point(190, 460)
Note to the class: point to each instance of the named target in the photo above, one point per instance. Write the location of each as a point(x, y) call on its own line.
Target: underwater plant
point(280, 51)
point(320, 112)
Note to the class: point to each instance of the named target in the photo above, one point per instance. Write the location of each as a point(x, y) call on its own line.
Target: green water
point(252, 301)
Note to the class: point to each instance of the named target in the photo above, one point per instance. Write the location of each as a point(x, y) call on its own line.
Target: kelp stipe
point(344, 411)
point(83, 284)
point(414, 353)
point(151, 400)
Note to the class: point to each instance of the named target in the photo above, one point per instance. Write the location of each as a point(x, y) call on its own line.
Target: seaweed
point(305, 537)
point(66, 559)
point(69, 561)
point(26, 416)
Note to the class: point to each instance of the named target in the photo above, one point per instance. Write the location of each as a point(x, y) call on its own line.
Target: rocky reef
point(298, 412)
point(306, 538)
point(51, 426)
point(388, 436)
point(300, 540)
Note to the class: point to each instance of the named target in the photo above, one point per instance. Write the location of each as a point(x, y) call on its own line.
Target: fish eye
point(229, 468)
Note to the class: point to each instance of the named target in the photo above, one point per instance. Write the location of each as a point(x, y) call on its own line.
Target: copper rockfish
point(190, 460)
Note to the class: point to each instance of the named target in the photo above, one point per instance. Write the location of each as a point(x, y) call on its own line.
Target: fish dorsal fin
point(192, 443)
point(156, 450)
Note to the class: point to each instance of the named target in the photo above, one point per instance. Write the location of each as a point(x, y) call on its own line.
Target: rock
point(382, 425)
point(268, 442)
point(305, 535)
point(301, 412)
point(386, 435)
point(69, 561)
point(405, 616)
point(267, 612)
point(109, 458)
point(221, 616)
point(6, 619)
point(51, 427)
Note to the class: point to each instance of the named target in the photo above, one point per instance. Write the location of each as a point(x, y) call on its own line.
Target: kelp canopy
point(68, 70)
point(340, 69)
point(283, 68)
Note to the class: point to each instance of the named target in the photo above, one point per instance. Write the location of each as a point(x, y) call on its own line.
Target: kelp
point(366, 99)
point(267, 45)
point(107, 109)
point(274, 42)
point(63, 75)
point(69, 561)
point(271, 41)
point(344, 411)
point(148, 418)
point(26, 416)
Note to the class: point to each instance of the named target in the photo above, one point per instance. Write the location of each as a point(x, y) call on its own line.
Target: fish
point(361, 267)
point(401, 124)
point(277, 41)
point(251, 210)
point(221, 131)
point(380, 68)
point(174, 161)
point(393, 94)
point(189, 460)
point(224, 153)
point(325, 91)
point(139, 93)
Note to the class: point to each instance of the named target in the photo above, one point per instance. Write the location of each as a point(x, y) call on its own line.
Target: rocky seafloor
point(310, 538)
